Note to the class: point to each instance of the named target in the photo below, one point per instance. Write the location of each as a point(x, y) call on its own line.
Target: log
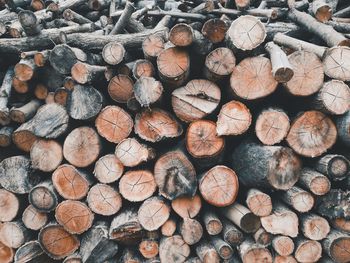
point(5, 93)
point(336, 64)
point(219, 186)
point(57, 242)
point(212, 223)
point(14, 234)
point(156, 125)
point(43, 197)
point(282, 259)
point(29, 22)
point(280, 218)
point(252, 78)
point(219, 64)
point(234, 119)
point(231, 234)
point(70, 183)
point(16, 175)
point(74, 258)
point(9, 206)
point(268, 171)
point(125, 227)
point(34, 219)
point(82, 147)
point(341, 224)
point(120, 88)
point(314, 227)
point(6, 136)
point(262, 237)
point(181, 35)
point(25, 69)
point(308, 74)
point(6, 253)
point(245, 33)
point(253, 252)
point(41, 58)
point(114, 124)
point(26, 112)
point(343, 128)
point(84, 73)
point(143, 68)
point(207, 252)
point(307, 250)
point(335, 204)
point(21, 87)
point(335, 166)
point(41, 91)
point(215, 30)
point(174, 66)
point(152, 46)
point(187, 207)
point(168, 228)
point(173, 249)
point(299, 199)
point(314, 181)
point(191, 231)
point(123, 19)
point(311, 134)
point(259, 202)
point(336, 246)
point(282, 70)
point(175, 175)
point(104, 200)
point(46, 155)
point(108, 169)
point(148, 91)
point(322, 10)
point(138, 185)
point(242, 217)
point(113, 53)
point(32, 252)
point(283, 245)
point(224, 250)
point(198, 99)
point(70, 15)
point(153, 213)
point(130, 255)
point(333, 98)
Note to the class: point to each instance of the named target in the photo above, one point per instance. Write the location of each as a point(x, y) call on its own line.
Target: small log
point(336, 246)
point(242, 217)
point(307, 250)
point(46, 155)
point(333, 98)
point(207, 252)
point(301, 200)
point(335, 166)
point(269, 173)
point(191, 231)
point(153, 213)
point(6, 253)
point(311, 134)
point(9, 205)
point(262, 237)
point(32, 252)
point(125, 227)
point(219, 186)
point(43, 197)
point(173, 249)
point(61, 96)
point(215, 30)
point(82, 147)
point(231, 234)
point(104, 200)
point(246, 33)
point(341, 224)
point(219, 64)
point(187, 207)
point(197, 99)
point(284, 259)
point(113, 53)
point(21, 87)
point(16, 175)
point(174, 66)
point(336, 64)
point(70, 15)
point(120, 88)
point(201, 46)
point(343, 128)
point(308, 74)
point(33, 219)
point(41, 58)
point(175, 175)
point(272, 126)
point(323, 31)
point(130, 255)
point(212, 223)
point(252, 78)
point(234, 119)
point(149, 246)
point(96, 246)
point(152, 46)
point(26, 112)
point(108, 169)
point(70, 183)
point(316, 182)
point(143, 68)
point(123, 19)
point(283, 245)
point(181, 35)
point(282, 221)
point(24, 69)
point(224, 250)
point(148, 91)
point(14, 234)
point(259, 202)
point(253, 252)
point(136, 186)
point(41, 91)
point(5, 93)
point(57, 242)
point(29, 22)
point(321, 10)
point(282, 70)
point(74, 258)
point(6, 136)
point(335, 204)
point(156, 125)
point(84, 73)
point(168, 228)
point(114, 124)
point(314, 227)
point(74, 216)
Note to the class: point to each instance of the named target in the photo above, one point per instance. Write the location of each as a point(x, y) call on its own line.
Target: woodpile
point(174, 131)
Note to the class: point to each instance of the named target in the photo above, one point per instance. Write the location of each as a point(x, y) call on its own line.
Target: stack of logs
point(174, 131)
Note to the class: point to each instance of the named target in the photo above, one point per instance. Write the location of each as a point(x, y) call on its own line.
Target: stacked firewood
point(174, 131)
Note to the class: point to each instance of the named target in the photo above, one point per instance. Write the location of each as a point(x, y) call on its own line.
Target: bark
point(212, 223)
point(5, 136)
point(153, 213)
point(336, 246)
point(259, 202)
point(5, 93)
point(224, 250)
point(123, 19)
point(219, 64)
point(314, 181)
point(32, 252)
point(108, 169)
point(336, 167)
point(46, 155)
point(335, 204)
point(71, 15)
point(231, 234)
point(322, 10)
point(43, 197)
point(29, 23)
point(33, 219)
point(343, 128)
point(147, 91)
point(187, 207)
point(262, 237)
point(120, 88)
point(173, 249)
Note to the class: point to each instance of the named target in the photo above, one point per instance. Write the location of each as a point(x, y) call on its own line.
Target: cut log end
point(173, 249)
point(283, 245)
point(336, 64)
point(46, 155)
point(308, 251)
point(152, 46)
point(33, 219)
point(181, 35)
point(108, 169)
point(104, 200)
point(259, 203)
point(187, 207)
point(6, 253)
point(120, 88)
point(219, 63)
point(153, 213)
point(113, 53)
point(215, 30)
point(9, 205)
